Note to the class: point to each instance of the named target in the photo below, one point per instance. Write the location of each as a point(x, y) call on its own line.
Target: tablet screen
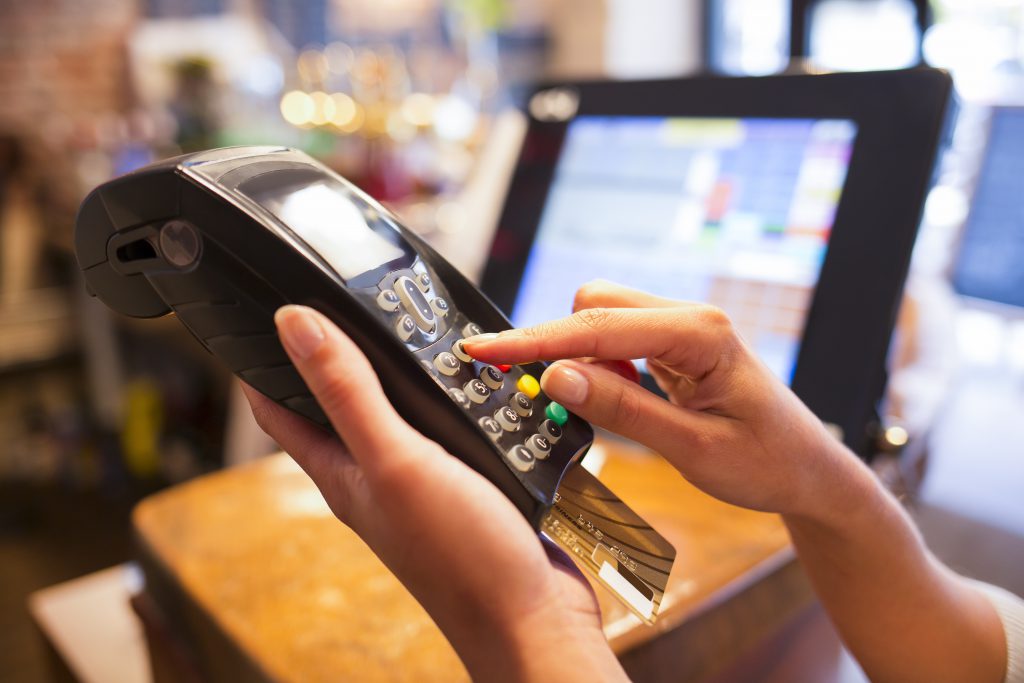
point(728, 211)
point(992, 247)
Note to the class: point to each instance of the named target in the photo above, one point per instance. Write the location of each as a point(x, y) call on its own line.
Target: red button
point(504, 368)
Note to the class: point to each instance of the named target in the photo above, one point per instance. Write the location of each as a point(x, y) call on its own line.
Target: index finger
point(607, 294)
point(345, 385)
point(691, 339)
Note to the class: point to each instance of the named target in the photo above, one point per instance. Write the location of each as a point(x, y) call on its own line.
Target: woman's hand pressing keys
point(729, 425)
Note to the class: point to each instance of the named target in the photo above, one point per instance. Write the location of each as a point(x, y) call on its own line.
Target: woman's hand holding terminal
point(511, 607)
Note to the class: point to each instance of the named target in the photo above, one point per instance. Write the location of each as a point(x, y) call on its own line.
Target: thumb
point(613, 402)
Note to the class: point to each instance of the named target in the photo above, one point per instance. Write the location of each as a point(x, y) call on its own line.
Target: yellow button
point(528, 385)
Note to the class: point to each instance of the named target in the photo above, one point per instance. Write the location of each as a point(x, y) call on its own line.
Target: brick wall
point(63, 79)
point(62, 57)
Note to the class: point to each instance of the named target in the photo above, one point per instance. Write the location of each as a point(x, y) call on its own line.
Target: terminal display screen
point(728, 211)
point(340, 227)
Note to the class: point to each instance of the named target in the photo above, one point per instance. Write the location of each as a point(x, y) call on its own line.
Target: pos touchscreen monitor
point(791, 202)
point(989, 261)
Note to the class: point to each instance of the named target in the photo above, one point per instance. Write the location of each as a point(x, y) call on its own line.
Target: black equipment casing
point(249, 264)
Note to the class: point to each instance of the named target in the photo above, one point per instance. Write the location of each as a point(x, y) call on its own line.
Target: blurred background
point(418, 102)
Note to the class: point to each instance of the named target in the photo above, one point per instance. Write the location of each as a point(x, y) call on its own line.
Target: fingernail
point(300, 330)
point(480, 338)
point(491, 336)
point(564, 384)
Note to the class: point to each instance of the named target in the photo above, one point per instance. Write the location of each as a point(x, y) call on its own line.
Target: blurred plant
point(486, 15)
point(194, 107)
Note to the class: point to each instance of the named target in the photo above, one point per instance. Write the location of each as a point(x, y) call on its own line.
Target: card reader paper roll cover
point(224, 238)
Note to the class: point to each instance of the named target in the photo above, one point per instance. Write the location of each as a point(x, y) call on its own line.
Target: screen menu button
point(405, 327)
point(388, 300)
point(415, 303)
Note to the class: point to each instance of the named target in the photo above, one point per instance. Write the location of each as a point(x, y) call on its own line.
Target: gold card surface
point(610, 542)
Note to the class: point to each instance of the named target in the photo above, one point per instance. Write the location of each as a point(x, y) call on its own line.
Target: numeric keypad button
point(551, 431)
point(521, 458)
point(460, 352)
point(472, 330)
point(447, 364)
point(459, 396)
point(490, 427)
point(492, 376)
point(405, 327)
point(388, 300)
point(521, 403)
point(508, 419)
point(539, 446)
point(423, 280)
point(477, 391)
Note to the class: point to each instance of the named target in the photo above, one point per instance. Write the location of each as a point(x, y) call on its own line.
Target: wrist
point(561, 647)
point(549, 644)
point(837, 486)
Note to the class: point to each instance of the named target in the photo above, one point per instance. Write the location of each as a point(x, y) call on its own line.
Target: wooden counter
point(253, 579)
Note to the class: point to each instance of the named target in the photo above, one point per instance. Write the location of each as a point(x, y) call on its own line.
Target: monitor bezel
point(901, 118)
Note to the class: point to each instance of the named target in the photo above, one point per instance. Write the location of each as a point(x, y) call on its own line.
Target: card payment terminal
point(224, 238)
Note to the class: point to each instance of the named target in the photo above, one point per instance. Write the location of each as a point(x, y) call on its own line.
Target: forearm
point(540, 648)
point(902, 614)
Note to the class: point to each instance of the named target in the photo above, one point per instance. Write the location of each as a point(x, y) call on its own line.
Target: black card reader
point(224, 238)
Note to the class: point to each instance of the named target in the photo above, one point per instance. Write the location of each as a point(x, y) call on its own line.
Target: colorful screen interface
point(732, 212)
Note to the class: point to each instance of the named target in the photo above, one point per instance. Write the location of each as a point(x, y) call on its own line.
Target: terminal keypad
point(415, 306)
point(505, 402)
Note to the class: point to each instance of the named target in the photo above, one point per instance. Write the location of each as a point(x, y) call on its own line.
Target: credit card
point(610, 542)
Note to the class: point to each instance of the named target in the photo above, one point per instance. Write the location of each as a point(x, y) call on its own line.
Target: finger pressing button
point(460, 352)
